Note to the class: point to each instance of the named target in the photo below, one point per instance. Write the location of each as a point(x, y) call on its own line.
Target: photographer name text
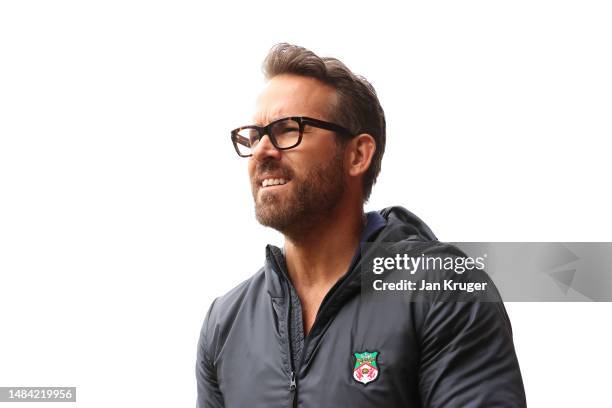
point(424, 286)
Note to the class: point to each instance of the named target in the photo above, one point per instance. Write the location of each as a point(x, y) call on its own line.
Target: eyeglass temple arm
point(326, 125)
point(242, 140)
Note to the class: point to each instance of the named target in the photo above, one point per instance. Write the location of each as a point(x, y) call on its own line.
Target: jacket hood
point(402, 225)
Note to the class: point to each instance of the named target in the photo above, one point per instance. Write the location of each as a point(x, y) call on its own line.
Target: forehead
point(294, 95)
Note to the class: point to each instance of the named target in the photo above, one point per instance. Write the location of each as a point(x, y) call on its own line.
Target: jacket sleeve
point(209, 395)
point(468, 357)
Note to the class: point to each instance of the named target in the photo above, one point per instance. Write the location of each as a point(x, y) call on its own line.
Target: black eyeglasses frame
point(302, 122)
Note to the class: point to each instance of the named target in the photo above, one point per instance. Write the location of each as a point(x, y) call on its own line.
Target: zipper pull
point(292, 385)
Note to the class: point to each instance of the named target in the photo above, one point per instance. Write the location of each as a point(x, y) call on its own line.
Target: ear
point(360, 151)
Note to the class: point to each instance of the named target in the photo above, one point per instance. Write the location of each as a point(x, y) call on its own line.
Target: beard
point(310, 200)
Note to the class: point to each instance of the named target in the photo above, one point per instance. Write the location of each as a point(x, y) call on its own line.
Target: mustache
point(272, 166)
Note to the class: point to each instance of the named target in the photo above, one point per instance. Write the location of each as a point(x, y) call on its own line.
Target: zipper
point(293, 369)
point(287, 286)
point(292, 380)
point(293, 388)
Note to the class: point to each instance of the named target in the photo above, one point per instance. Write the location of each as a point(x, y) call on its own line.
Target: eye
point(285, 128)
point(288, 129)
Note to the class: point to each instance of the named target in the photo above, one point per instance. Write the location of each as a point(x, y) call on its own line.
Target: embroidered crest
point(366, 368)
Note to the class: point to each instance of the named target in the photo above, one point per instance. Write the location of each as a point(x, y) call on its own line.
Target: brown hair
point(358, 107)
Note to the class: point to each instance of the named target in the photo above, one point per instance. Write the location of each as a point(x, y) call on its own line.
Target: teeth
point(273, 182)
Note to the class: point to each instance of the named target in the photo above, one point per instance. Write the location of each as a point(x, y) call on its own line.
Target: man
point(300, 332)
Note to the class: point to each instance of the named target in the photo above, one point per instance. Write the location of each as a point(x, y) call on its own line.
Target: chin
point(275, 213)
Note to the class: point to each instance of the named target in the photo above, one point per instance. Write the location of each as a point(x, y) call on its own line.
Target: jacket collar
point(392, 224)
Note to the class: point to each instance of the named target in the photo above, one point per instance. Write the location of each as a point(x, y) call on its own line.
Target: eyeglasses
point(285, 133)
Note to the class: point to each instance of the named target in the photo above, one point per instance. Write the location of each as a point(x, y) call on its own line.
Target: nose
point(265, 149)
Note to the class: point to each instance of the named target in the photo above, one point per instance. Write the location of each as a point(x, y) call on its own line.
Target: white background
point(123, 204)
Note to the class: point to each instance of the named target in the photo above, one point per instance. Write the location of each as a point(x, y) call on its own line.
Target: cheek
point(251, 167)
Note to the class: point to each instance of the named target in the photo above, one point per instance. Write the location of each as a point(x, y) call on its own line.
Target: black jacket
point(252, 351)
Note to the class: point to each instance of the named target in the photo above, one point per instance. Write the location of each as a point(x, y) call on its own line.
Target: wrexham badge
point(366, 368)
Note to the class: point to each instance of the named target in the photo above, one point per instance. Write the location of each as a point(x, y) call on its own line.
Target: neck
point(321, 254)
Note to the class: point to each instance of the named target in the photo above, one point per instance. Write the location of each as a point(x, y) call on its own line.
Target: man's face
point(312, 172)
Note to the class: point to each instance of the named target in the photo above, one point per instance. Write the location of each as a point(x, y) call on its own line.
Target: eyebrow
point(277, 116)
